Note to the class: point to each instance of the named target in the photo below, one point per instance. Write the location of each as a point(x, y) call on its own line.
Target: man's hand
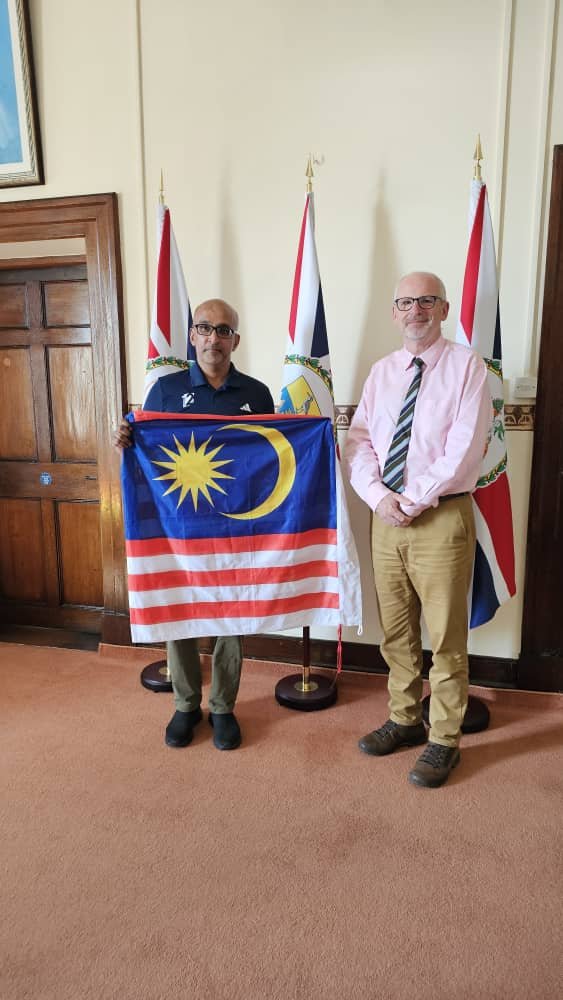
point(389, 510)
point(123, 436)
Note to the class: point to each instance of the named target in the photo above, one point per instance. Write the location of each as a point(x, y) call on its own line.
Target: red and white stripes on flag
point(479, 328)
point(292, 579)
point(169, 346)
point(263, 551)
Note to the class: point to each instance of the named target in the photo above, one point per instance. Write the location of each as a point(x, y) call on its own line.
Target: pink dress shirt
point(451, 425)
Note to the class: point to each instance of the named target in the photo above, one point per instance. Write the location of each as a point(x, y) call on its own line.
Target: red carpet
point(294, 868)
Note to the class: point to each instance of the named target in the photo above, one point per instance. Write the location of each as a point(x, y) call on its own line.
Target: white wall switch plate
point(525, 387)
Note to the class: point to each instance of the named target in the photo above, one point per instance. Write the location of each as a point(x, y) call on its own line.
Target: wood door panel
point(22, 567)
point(72, 403)
point(80, 553)
point(67, 482)
point(17, 424)
point(67, 303)
point(67, 335)
point(13, 306)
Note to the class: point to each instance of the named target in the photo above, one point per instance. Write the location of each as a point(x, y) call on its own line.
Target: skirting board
point(362, 657)
point(528, 673)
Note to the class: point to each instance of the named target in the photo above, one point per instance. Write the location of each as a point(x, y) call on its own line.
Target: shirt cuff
point(376, 493)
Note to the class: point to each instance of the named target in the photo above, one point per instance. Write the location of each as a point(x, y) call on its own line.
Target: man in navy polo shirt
point(212, 385)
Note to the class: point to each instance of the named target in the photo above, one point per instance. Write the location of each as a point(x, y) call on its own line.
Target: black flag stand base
point(306, 692)
point(477, 716)
point(156, 677)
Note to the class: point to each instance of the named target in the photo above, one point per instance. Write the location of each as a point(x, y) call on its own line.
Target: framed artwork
point(20, 150)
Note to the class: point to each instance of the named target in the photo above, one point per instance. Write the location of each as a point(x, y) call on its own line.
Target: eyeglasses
point(222, 330)
point(424, 301)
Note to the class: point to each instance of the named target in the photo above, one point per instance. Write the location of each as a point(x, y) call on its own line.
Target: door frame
point(540, 667)
point(95, 219)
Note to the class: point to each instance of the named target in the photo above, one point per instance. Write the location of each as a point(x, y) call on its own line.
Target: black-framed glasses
point(425, 302)
point(222, 330)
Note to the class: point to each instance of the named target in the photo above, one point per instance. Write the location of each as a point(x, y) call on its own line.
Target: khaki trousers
point(185, 673)
point(426, 568)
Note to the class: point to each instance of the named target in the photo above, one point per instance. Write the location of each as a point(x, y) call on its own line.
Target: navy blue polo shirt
point(188, 391)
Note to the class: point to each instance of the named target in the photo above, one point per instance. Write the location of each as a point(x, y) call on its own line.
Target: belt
point(453, 496)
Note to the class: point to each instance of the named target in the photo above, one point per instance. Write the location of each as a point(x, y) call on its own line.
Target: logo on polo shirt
point(188, 399)
point(246, 407)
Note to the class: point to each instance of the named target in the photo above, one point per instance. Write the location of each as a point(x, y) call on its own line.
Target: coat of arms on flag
point(232, 526)
point(169, 346)
point(307, 378)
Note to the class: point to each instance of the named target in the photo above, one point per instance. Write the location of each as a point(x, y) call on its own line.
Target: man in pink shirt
point(414, 452)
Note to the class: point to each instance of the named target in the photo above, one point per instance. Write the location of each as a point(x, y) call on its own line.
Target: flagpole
point(306, 692)
point(477, 715)
point(156, 676)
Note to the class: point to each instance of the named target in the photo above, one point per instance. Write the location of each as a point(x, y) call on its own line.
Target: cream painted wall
point(229, 98)
point(87, 74)
point(392, 96)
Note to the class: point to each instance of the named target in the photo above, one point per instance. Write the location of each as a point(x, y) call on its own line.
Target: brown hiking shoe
point(434, 765)
point(391, 736)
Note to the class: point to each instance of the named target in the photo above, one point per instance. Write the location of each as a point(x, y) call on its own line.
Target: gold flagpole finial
point(309, 174)
point(161, 196)
point(477, 157)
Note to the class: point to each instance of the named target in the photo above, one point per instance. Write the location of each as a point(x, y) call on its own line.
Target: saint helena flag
point(169, 349)
point(479, 328)
point(307, 377)
point(232, 526)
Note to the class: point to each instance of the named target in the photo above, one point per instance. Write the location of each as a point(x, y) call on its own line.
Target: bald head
point(213, 352)
point(425, 276)
point(228, 312)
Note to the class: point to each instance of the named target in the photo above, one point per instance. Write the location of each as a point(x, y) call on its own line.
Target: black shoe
point(391, 736)
point(226, 731)
point(434, 765)
point(180, 729)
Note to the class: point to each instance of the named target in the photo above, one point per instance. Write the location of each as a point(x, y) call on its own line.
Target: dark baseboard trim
point(116, 629)
point(489, 671)
point(528, 673)
point(540, 673)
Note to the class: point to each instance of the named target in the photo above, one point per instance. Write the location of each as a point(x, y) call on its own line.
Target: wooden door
point(95, 219)
point(50, 555)
point(541, 661)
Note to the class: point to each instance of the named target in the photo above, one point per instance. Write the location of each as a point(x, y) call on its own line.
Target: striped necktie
point(395, 462)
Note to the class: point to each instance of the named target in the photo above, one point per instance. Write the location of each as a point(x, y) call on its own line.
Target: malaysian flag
point(479, 328)
point(232, 527)
point(169, 346)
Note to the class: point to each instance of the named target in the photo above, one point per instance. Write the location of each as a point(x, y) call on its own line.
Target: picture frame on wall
point(20, 149)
